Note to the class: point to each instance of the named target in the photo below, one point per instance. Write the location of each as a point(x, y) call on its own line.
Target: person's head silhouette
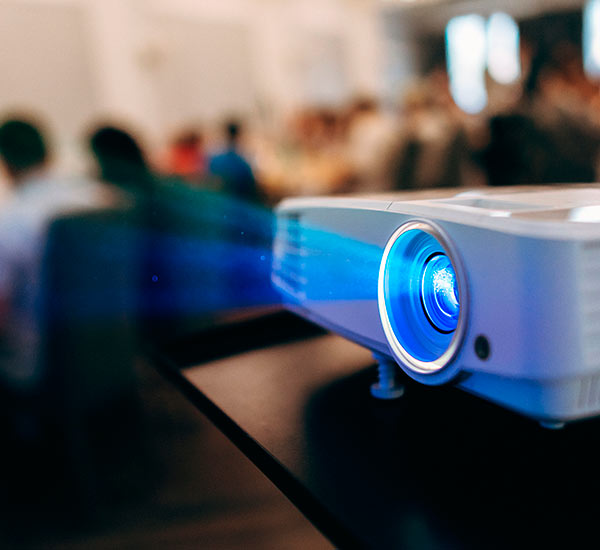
point(120, 159)
point(22, 148)
point(233, 130)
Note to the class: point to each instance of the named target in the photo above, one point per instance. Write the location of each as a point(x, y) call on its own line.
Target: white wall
point(44, 65)
point(158, 64)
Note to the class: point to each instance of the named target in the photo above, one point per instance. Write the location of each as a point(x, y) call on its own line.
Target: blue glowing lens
point(439, 293)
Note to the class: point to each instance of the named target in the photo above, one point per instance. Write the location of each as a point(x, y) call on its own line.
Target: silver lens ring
point(436, 368)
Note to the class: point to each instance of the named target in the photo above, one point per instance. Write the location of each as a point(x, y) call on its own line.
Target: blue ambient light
point(439, 293)
point(419, 298)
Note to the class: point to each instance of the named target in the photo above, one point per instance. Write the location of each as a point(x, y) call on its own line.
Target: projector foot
point(386, 387)
point(552, 425)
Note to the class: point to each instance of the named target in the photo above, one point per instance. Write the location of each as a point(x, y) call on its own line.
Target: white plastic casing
point(531, 262)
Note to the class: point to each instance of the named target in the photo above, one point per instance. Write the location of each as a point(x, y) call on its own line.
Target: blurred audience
point(38, 196)
point(309, 158)
point(232, 168)
point(431, 148)
point(193, 239)
point(552, 134)
point(122, 163)
point(186, 156)
point(120, 160)
point(543, 128)
point(370, 137)
point(66, 353)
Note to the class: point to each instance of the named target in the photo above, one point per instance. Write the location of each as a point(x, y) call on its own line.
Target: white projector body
point(496, 290)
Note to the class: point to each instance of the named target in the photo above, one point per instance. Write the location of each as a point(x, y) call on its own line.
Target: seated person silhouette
point(37, 197)
point(232, 168)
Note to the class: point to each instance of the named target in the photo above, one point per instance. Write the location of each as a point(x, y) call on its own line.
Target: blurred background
point(336, 95)
point(176, 126)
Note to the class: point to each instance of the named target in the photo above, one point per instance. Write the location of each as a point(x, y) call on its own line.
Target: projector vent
point(589, 393)
point(589, 277)
point(289, 255)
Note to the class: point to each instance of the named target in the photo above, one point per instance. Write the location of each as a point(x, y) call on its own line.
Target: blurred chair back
point(90, 298)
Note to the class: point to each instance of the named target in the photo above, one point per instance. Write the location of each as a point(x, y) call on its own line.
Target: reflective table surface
point(436, 468)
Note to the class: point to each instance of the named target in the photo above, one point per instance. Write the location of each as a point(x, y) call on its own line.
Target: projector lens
point(422, 299)
point(439, 293)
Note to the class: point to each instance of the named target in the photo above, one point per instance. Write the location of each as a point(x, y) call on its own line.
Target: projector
point(496, 290)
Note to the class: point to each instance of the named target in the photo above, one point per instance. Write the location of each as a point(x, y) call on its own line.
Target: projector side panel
point(524, 298)
point(588, 282)
point(561, 400)
point(538, 303)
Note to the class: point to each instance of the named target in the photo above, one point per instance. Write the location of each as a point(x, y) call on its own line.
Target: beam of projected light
point(466, 58)
point(591, 39)
point(201, 254)
point(503, 59)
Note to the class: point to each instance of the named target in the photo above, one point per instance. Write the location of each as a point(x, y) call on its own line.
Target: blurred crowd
point(544, 128)
point(95, 268)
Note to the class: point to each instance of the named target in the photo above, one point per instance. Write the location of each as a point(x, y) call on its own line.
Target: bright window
point(466, 59)
point(503, 59)
point(591, 38)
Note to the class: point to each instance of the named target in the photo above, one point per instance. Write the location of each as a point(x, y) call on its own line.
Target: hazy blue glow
point(207, 253)
point(466, 59)
point(419, 300)
point(591, 38)
point(503, 59)
point(326, 266)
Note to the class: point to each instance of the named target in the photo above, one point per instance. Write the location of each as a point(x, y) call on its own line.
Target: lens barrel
point(422, 299)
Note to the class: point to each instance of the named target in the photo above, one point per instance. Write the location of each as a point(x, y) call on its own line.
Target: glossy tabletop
point(437, 468)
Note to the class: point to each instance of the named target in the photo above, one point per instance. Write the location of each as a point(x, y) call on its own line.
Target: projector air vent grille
point(590, 301)
point(589, 393)
point(289, 255)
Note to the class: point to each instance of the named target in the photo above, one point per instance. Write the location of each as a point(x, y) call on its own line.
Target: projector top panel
point(556, 212)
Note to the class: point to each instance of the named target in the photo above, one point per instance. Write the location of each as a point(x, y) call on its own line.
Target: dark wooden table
point(437, 468)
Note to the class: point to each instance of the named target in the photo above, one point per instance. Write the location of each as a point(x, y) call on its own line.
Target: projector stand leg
point(386, 387)
point(552, 424)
